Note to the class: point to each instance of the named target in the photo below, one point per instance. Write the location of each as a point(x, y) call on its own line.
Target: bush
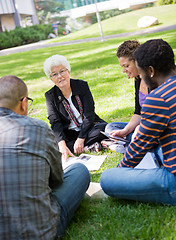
point(21, 36)
point(44, 28)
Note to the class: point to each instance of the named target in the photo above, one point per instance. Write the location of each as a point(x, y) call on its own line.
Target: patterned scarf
point(70, 112)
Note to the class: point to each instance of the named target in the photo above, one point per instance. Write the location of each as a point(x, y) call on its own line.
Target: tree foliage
point(48, 6)
point(166, 2)
point(45, 10)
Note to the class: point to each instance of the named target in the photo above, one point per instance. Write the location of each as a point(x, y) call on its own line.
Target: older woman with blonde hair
point(71, 110)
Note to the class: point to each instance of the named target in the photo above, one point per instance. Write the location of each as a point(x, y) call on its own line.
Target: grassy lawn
point(124, 23)
point(96, 62)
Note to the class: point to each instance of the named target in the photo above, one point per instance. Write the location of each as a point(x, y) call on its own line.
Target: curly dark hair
point(127, 48)
point(156, 53)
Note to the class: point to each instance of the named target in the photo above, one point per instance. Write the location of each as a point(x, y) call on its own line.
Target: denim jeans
point(117, 126)
point(146, 185)
point(69, 195)
point(156, 153)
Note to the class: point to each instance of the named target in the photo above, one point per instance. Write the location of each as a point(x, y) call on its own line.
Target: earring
point(151, 75)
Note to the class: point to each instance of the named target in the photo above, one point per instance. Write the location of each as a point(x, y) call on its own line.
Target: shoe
point(106, 143)
point(99, 195)
point(96, 147)
point(118, 148)
point(95, 191)
point(113, 146)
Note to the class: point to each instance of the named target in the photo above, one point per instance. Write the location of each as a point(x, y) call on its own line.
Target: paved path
point(44, 44)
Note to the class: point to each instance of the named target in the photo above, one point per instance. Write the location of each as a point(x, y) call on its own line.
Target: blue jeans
point(147, 185)
point(117, 126)
point(70, 193)
point(156, 152)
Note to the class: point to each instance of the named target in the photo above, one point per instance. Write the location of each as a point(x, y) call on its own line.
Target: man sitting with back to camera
point(37, 199)
point(156, 65)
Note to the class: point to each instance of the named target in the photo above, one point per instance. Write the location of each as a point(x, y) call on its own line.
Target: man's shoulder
point(10, 120)
point(165, 89)
point(29, 121)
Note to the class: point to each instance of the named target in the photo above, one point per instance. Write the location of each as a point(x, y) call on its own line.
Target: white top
point(76, 113)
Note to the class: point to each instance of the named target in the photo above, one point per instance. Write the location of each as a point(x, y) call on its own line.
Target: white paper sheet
point(92, 162)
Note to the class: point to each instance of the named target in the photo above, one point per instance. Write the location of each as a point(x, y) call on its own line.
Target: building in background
point(69, 4)
point(15, 13)
point(85, 8)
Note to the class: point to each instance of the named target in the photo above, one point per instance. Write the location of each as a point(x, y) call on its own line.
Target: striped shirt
point(30, 168)
point(158, 124)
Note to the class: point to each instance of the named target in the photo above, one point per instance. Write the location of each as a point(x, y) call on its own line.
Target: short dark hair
point(12, 89)
point(127, 48)
point(156, 53)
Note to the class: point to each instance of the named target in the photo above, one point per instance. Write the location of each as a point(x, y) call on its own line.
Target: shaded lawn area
point(96, 63)
point(117, 219)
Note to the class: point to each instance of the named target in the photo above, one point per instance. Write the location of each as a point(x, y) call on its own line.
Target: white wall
point(25, 7)
point(6, 6)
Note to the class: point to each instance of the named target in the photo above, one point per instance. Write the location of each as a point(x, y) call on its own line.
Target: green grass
point(120, 220)
point(113, 93)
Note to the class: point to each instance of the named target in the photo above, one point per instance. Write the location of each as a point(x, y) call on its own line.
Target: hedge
point(21, 36)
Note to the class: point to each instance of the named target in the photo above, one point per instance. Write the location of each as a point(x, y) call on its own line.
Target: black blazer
point(58, 116)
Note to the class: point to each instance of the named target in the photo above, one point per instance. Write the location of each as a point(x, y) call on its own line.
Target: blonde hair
point(53, 61)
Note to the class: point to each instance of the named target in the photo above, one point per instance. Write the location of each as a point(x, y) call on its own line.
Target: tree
point(45, 9)
point(166, 2)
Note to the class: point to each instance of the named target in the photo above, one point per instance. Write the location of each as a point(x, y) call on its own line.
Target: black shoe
point(96, 147)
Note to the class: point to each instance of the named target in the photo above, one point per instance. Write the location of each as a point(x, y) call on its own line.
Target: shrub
point(21, 36)
point(44, 28)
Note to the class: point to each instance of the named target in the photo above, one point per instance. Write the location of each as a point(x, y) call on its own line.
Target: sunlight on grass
point(124, 23)
point(39, 85)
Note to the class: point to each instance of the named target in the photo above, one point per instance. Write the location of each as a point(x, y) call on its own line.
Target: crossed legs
point(147, 185)
point(70, 193)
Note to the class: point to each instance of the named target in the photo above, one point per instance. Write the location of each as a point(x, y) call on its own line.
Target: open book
point(92, 162)
point(115, 138)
